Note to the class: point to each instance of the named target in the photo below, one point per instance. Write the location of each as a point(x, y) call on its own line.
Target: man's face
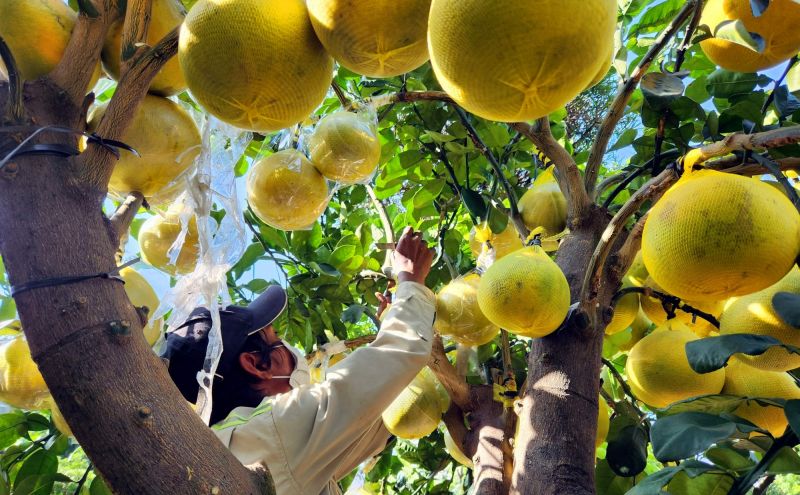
point(282, 362)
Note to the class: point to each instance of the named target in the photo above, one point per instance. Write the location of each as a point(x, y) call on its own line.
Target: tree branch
point(343, 99)
point(122, 218)
point(75, 69)
point(653, 189)
point(569, 177)
point(620, 102)
point(748, 142)
point(134, 33)
point(16, 109)
point(98, 162)
point(456, 387)
point(388, 231)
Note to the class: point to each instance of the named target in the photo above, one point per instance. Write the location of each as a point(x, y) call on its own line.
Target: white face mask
point(300, 376)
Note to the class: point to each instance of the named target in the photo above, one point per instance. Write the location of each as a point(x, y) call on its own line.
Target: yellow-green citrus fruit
point(455, 452)
point(375, 38)
point(635, 333)
point(755, 314)
point(21, 383)
point(37, 32)
point(745, 381)
point(655, 311)
point(255, 64)
point(504, 243)
point(603, 423)
point(156, 237)
point(416, 412)
point(141, 293)
point(637, 274)
point(777, 26)
point(603, 70)
point(525, 293)
point(659, 372)
point(625, 312)
point(544, 205)
point(458, 314)
point(286, 191)
point(167, 140)
point(512, 61)
point(715, 235)
point(345, 148)
point(165, 15)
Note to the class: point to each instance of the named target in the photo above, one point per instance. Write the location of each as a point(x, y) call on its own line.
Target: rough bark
point(86, 337)
point(558, 422)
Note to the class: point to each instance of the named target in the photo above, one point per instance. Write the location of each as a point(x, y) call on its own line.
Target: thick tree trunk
point(555, 444)
point(87, 338)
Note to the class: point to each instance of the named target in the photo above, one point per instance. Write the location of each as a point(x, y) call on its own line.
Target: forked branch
point(98, 162)
point(620, 102)
point(122, 218)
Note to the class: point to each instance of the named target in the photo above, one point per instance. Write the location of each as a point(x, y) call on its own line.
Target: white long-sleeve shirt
point(316, 434)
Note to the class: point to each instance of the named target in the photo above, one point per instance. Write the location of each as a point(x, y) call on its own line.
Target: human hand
point(412, 257)
point(385, 298)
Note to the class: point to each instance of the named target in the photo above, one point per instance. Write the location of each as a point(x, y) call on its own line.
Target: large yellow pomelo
point(512, 61)
point(142, 294)
point(659, 372)
point(745, 381)
point(504, 243)
point(777, 26)
point(603, 422)
point(376, 38)
point(37, 32)
point(755, 314)
point(625, 312)
point(455, 452)
point(168, 141)
point(416, 412)
point(165, 15)
point(156, 237)
point(637, 274)
point(655, 311)
point(21, 383)
point(345, 147)
point(458, 314)
point(286, 191)
point(544, 205)
point(255, 64)
point(525, 293)
point(715, 235)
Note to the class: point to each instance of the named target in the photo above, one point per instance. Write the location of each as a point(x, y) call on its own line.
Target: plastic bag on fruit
point(221, 245)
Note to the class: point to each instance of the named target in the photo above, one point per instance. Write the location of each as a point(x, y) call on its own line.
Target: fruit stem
point(15, 84)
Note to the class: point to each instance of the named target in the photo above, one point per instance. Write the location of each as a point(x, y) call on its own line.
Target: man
point(309, 436)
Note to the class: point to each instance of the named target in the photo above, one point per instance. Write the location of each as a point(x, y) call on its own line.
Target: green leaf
point(474, 203)
point(683, 435)
point(660, 89)
point(99, 487)
point(730, 459)
point(607, 482)
point(710, 354)
point(9, 427)
point(326, 269)
point(625, 139)
point(724, 84)
point(257, 285)
point(792, 412)
point(498, 221)
point(40, 484)
point(786, 102)
point(353, 313)
point(627, 446)
point(711, 404)
point(41, 462)
point(787, 305)
point(36, 422)
point(341, 256)
point(705, 484)
point(786, 461)
point(736, 32)
point(653, 484)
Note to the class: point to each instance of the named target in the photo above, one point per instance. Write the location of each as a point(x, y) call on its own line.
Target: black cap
point(186, 346)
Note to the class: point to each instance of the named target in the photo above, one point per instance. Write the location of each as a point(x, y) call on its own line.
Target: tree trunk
point(558, 423)
point(86, 337)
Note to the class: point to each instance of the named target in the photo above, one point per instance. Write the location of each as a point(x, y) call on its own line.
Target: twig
point(134, 32)
point(122, 218)
point(16, 109)
point(568, 176)
point(687, 37)
point(669, 302)
point(746, 142)
point(621, 381)
point(623, 258)
point(388, 231)
point(98, 162)
point(620, 102)
point(516, 217)
point(343, 99)
point(608, 182)
point(83, 479)
point(649, 165)
point(742, 485)
point(777, 83)
point(654, 188)
point(762, 487)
